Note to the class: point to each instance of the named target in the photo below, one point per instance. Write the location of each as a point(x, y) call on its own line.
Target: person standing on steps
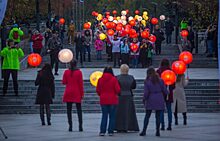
point(71, 33)
point(125, 51)
point(74, 93)
point(159, 39)
point(165, 65)
point(37, 39)
point(179, 98)
point(87, 45)
point(116, 50)
point(126, 119)
point(168, 30)
point(54, 46)
point(11, 55)
point(79, 41)
point(99, 47)
point(45, 92)
point(108, 90)
point(154, 93)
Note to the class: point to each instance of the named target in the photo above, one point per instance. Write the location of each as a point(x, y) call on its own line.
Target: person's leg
point(89, 51)
point(48, 113)
point(159, 49)
point(114, 58)
point(6, 75)
point(56, 66)
point(170, 36)
point(162, 120)
point(84, 53)
point(42, 114)
point(15, 81)
point(69, 115)
point(52, 60)
point(169, 113)
point(167, 39)
point(81, 56)
point(104, 119)
point(112, 113)
point(184, 119)
point(157, 116)
point(146, 121)
point(79, 113)
point(118, 57)
point(175, 114)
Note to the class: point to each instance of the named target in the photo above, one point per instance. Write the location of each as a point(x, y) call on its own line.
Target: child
point(99, 48)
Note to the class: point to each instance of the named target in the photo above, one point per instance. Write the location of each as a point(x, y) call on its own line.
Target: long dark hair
point(108, 70)
point(73, 66)
point(47, 71)
point(165, 63)
point(152, 75)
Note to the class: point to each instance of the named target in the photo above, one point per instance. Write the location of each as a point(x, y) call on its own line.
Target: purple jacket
point(154, 95)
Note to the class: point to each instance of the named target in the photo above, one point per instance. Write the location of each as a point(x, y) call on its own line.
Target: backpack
point(15, 35)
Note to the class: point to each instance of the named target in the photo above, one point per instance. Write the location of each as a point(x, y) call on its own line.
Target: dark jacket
point(171, 87)
point(79, 42)
point(159, 36)
point(46, 89)
point(169, 27)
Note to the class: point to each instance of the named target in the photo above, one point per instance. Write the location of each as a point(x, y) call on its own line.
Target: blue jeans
point(99, 54)
point(169, 113)
point(108, 110)
point(168, 39)
point(134, 61)
point(210, 46)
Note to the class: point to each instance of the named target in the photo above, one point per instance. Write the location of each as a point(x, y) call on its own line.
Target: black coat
point(169, 27)
point(159, 36)
point(46, 89)
point(126, 119)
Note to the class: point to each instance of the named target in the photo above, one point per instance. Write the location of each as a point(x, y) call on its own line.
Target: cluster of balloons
point(178, 67)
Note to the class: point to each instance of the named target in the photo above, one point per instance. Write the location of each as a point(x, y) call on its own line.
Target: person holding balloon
point(108, 89)
point(74, 92)
point(179, 98)
point(165, 65)
point(99, 47)
point(159, 39)
point(153, 99)
point(11, 55)
point(135, 52)
point(45, 92)
point(116, 50)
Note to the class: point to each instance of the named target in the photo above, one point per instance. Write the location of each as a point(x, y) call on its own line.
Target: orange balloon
point(110, 32)
point(118, 28)
point(186, 57)
point(145, 34)
point(34, 59)
point(86, 26)
point(179, 67)
point(114, 12)
point(152, 38)
point(132, 22)
point(62, 21)
point(169, 77)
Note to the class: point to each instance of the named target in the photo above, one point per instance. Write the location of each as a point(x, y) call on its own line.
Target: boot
point(42, 115)
point(184, 119)
point(143, 133)
point(80, 128)
point(176, 118)
point(169, 127)
point(162, 127)
point(158, 133)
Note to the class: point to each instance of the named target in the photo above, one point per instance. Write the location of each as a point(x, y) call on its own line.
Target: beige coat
point(179, 98)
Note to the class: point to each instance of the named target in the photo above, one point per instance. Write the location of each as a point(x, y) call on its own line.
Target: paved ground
point(194, 73)
point(201, 127)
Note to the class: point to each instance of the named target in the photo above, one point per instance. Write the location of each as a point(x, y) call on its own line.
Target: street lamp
point(155, 8)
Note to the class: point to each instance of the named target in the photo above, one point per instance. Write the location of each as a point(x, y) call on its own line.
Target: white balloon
point(124, 22)
point(123, 13)
point(65, 56)
point(110, 18)
point(162, 17)
point(120, 21)
point(115, 21)
point(139, 18)
point(123, 17)
point(130, 18)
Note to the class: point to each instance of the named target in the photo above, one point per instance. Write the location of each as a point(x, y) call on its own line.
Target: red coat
point(37, 41)
point(108, 89)
point(74, 86)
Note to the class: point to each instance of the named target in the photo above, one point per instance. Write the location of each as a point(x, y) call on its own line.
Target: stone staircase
point(202, 96)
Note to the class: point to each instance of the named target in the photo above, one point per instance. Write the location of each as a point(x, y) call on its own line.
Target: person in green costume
point(15, 34)
point(11, 54)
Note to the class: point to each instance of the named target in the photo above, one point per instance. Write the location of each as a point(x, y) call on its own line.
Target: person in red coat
point(74, 92)
point(108, 89)
point(37, 39)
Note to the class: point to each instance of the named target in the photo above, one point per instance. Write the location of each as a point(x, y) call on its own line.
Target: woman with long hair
point(154, 93)
point(108, 89)
point(45, 92)
point(74, 92)
point(165, 65)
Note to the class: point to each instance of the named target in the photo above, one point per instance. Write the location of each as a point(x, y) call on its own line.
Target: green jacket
point(183, 25)
point(11, 58)
point(20, 33)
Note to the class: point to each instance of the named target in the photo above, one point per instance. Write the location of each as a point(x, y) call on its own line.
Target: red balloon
point(34, 59)
point(113, 25)
point(132, 22)
point(110, 32)
point(108, 25)
point(118, 28)
point(128, 26)
point(184, 33)
point(134, 47)
point(169, 77)
point(107, 16)
point(96, 14)
point(127, 11)
point(145, 34)
point(152, 38)
point(136, 12)
point(134, 35)
point(123, 33)
point(86, 26)
point(120, 24)
point(105, 20)
point(114, 12)
point(127, 30)
point(154, 21)
point(107, 13)
point(186, 57)
point(179, 67)
point(132, 31)
point(93, 13)
point(62, 21)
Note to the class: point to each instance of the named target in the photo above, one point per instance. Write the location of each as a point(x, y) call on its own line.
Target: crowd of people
point(116, 98)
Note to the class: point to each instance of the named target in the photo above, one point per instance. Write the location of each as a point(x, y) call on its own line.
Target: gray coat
point(126, 119)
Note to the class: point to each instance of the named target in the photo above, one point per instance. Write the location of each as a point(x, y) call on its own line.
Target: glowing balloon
point(34, 59)
point(62, 21)
point(134, 47)
point(110, 32)
point(130, 18)
point(145, 34)
point(154, 21)
point(110, 18)
point(179, 67)
point(145, 13)
point(184, 33)
point(143, 22)
point(65, 56)
point(94, 77)
point(132, 22)
point(123, 13)
point(105, 20)
point(137, 12)
point(102, 36)
point(162, 17)
point(152, 38)
point(114, 12)
point(139, 18)
point(86, 26)
point(169, 77)
point(186, 57)
point(123, 17)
